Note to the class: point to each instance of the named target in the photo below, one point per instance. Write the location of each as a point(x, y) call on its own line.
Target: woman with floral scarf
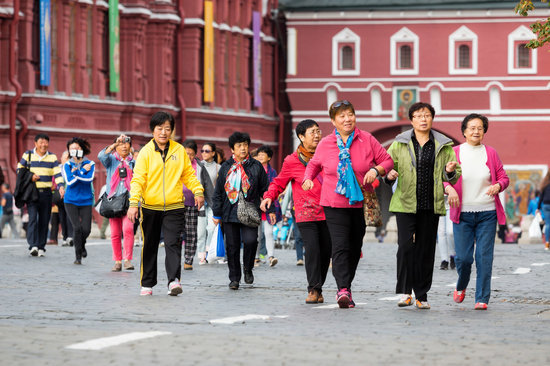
point(350, 159)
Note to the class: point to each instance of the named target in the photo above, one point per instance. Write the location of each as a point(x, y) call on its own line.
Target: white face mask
point(76, 153)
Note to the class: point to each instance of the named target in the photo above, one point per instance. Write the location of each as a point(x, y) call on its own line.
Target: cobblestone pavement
point(49, 306)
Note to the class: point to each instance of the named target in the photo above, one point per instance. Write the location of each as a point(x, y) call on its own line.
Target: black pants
point(66, 226)
point(316, 239)
point(54, 226)
point(347, 229)
point(81, 220)
point(39, 219)
point(416, 237)
point(235, 234)
point(171, 223)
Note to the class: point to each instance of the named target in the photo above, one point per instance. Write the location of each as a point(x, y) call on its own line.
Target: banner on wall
point(257, 58)
point(114, 47)
point(208, 52)
point(45, 42)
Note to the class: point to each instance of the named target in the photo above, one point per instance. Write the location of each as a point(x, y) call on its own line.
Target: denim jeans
point(476, 229)
point(546, 211)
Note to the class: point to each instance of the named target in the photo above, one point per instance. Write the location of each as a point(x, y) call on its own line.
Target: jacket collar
point(439, 138)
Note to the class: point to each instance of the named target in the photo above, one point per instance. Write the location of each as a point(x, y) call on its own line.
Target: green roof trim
point(347, 5)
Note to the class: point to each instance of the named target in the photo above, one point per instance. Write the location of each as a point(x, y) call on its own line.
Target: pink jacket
point(306, 204)
point(366, 152)
point(498, 175)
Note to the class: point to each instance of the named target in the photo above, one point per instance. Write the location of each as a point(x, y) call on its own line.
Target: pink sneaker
point(480, 306)
point(343, 297)
point(174, 288)
point(146, 291)
point(458, 296)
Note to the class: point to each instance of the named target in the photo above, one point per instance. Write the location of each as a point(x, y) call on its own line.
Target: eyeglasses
point(420, 116)
point(315, 133)
point(206, 151)
point(337, 105)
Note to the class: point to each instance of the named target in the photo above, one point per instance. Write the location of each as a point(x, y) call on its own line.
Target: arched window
point(524, 56)
point(347, 58)
point(405, 57)
point(463, 57)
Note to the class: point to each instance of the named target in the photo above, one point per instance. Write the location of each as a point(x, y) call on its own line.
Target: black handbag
point(247, 213)
point(114, 206)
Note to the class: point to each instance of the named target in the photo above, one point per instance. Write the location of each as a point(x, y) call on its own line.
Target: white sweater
point(476, 179)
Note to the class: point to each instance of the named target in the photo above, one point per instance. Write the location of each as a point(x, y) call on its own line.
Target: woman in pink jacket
point(310, 217)
point(476, 208)
point(350, 159)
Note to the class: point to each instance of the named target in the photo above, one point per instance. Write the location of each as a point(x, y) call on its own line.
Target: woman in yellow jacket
point(162, 169)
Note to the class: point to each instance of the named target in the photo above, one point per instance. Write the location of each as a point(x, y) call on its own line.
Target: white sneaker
point(146, 291)
point(41, 253)
point(34, 251)
point(174, 288)
point(202, 262)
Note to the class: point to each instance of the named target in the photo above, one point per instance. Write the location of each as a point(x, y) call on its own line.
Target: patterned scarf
point(115, 179)
point(235, 176)
point(306, 155)
point(347, 183)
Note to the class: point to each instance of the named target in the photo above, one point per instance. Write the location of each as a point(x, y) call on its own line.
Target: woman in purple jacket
point(350, 159)
point(476, 209)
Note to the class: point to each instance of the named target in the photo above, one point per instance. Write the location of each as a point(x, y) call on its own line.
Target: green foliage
point(541, 28)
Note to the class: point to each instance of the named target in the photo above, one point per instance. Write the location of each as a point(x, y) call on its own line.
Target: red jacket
point(306, 204)
point(366, 152)
point(498, 175)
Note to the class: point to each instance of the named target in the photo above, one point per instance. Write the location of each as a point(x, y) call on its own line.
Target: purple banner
point(257, 58)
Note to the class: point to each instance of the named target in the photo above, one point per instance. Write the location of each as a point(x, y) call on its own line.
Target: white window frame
point(349, 37)
point(462, 34)
point(404, 35)
point(522, 33)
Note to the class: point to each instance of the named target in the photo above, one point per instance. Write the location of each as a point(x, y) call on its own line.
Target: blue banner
point(45, 42)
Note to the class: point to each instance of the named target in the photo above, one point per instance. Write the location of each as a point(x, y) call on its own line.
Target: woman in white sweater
point(476, 209)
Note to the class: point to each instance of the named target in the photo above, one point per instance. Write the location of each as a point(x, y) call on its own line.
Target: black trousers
point(347, 229)
point(416, 237)
point(39, 219)
point(81, 220)
point(171, 223)
point(66, 226)
point(235, 234)
point(316, 239)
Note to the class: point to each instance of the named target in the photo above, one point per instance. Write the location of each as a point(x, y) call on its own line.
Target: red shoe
point(459, 296)
point(480, 306)
point(343, 298)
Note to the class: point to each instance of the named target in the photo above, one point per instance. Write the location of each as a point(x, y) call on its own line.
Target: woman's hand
point(132, 214)
point(494, 189)
point(392, 175)
point(272, 218)
point(266, 203)
point(453, 199)
point(450, 167)
point(307, 185)
point(216, 221)
point(199, 202)
point(370, 177)
point(87, 167)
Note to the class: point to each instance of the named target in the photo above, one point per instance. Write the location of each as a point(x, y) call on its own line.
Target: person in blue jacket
point(79, 195)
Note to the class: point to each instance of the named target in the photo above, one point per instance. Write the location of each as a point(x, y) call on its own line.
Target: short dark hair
point(41, 136)
point(159, 118)
point(266, 149)
point(237, 137)
point(472, 116)
point(190, 144)
point(339, 105)
point(84, 145)
point(303, 126)
point(418, 106)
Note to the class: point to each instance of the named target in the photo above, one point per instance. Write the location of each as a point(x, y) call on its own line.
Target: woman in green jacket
point(423, 160)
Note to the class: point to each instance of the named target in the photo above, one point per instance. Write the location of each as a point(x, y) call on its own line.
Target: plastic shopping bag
point(217, 248)
point(534, 229)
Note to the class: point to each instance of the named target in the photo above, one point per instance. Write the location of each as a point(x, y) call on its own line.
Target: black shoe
point(84, 253)
point(77, 261)
point(444, 265)
point(453, 265)
point(248, 278)
point(234, 285)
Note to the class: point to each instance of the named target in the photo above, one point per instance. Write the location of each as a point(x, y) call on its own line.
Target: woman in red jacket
point(310, 217)
point(349, 158)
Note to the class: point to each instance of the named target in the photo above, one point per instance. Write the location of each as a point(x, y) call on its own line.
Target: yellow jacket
point(158, 184)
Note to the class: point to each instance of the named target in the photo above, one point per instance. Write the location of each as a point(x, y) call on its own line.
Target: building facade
point(460, 58)
point(162, 58)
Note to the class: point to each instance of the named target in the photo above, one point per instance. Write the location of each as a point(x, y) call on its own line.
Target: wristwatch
point(376, 170)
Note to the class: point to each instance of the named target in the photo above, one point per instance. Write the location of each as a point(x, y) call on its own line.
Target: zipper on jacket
point(163, 178)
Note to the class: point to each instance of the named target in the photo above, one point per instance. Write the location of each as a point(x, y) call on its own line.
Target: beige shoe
point(128, 265)
point(312, 297)
point(320, 299)
point(187, 267)
point(273, 261)
point(300, 262)
point(117, 267)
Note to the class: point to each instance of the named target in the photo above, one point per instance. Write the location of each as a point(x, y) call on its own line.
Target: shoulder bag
point(247, 213)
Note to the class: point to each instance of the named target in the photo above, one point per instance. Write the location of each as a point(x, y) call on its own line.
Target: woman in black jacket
point(239, 174)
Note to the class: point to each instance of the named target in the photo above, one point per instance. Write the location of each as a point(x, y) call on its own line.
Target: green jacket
point(402, 153)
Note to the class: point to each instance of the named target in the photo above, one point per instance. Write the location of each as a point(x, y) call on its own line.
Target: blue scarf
point(347, 183)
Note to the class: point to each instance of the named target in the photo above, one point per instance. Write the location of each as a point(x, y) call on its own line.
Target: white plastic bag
point(534, 229)
point(216, 249)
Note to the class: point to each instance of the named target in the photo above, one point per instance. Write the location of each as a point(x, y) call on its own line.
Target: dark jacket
point(25, 188)
point(206, 184)
point(259, 183)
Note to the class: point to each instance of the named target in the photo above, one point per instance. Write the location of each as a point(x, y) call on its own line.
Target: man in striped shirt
point(44, 166)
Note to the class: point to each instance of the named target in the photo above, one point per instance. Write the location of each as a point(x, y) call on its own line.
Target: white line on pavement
point(334, 306)
point(244, 318)
point(452, 284)
point(100, 343)
point(539, 264)
point(522, 270)
point(391, 298)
